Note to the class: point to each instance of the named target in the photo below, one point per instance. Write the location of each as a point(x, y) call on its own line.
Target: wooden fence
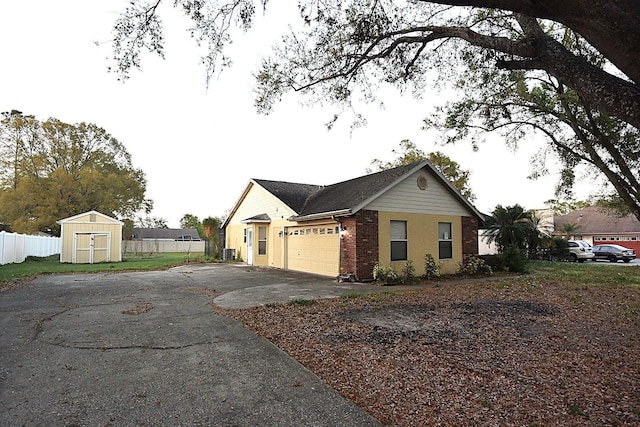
point(15, 248)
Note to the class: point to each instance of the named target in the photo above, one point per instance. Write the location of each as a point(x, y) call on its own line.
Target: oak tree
point(409, 153)
point(57, 170)
point(350, 43)
point(192, 221)
point(576, 61)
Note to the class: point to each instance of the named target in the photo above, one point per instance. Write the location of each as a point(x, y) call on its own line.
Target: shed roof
point(105, 218)
point(593, 220)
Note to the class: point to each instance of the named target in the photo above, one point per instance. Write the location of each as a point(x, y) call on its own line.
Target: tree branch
point(610, 26)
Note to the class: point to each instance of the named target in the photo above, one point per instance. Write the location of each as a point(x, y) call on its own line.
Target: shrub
point(472, 266)
point(553, 249)
point(409, 272)
point(431, 267)
point(384, 274)
point(515, 259)
point(495, 262)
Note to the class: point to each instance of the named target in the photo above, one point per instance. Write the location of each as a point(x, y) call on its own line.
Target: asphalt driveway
point(148, 349)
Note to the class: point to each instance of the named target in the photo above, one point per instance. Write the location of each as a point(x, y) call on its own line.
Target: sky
point(199, 146)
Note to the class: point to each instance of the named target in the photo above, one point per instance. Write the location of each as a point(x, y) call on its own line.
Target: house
point(154, 240)
point(90, 237)
point(166, 234)
point(393, 216)
point(596, 226)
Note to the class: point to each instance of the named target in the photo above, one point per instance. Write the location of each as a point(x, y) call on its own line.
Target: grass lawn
point(34, 266)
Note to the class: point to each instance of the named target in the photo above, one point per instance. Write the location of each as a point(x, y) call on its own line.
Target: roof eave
point(321, 215)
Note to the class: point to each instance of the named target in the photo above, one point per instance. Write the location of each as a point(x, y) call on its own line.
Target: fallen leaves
point(141, 307)
point(507, 354)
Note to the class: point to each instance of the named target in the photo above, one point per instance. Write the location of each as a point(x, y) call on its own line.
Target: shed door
point(314, 249)
point(91, 247)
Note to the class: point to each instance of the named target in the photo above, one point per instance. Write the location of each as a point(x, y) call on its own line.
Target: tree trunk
point(611, 26)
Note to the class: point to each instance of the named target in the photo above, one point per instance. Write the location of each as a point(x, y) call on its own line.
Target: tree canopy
point(192, 221)
point(568, 70)
point(347, 43)
point(409, 153)
point(52, 170)
point(151, 222)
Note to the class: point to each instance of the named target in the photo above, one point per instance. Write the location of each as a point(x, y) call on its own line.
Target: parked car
point(613, 253)
point(580, 251)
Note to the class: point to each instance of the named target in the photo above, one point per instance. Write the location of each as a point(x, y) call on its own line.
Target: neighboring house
point(597, 227)
point(184, 240)
point(168, 234)
point(90, 237)
point(393, 216)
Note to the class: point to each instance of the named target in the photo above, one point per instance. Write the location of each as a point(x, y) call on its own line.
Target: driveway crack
point(132, 347)
point(39, 326)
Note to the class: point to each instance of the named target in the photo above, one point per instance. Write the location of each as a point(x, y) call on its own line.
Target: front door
point(250, 245)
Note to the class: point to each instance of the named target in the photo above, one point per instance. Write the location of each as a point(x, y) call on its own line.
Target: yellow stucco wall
point(273, 258)
point(314, 251)
point(422, 236)
point(257, 201)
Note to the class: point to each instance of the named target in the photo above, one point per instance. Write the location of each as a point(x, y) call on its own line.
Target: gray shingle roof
point(292, 194)
point(164, 233)
point(259, 218)
point(351, 193)
point(593, 220)
point(307, 200)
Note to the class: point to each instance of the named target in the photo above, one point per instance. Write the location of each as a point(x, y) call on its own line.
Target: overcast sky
point(200, 147)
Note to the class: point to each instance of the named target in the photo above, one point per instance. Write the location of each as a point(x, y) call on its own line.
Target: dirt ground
point(519, 352)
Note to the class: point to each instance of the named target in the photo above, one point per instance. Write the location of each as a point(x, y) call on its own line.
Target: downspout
point(285, 248)
point(333, 217)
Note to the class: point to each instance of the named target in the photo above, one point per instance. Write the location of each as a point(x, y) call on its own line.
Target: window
point(244, 238)
point(398, 240)
point(445, 241)
point(262, 240)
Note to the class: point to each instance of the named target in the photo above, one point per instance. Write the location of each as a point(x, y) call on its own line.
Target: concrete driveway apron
point(147, 349)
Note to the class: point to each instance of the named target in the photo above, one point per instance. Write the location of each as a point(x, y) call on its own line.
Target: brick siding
point(359, 245)
point(469, 236)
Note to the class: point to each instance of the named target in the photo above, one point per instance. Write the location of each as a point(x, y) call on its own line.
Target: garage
point(314, 249)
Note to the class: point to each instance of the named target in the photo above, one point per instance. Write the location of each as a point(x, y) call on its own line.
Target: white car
point(580, 251)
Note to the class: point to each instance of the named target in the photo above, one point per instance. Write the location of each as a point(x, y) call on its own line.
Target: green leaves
point(59, 170)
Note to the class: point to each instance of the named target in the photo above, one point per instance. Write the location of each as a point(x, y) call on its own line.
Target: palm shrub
point(515, 259)
point(431, 267)
point(510, 226)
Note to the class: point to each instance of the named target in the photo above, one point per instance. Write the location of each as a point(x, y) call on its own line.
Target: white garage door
point(314, 249)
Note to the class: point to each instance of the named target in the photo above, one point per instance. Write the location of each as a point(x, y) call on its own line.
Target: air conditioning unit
point(228, 254)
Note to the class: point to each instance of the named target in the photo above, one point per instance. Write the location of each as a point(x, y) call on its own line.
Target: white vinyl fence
point(15, 248)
